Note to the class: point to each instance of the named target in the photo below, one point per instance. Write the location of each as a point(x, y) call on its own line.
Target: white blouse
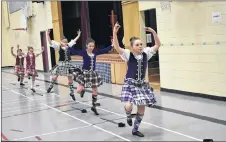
point(126, 54)
point(56, 45)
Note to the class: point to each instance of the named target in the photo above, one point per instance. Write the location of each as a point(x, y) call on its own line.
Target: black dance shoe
point(21, 84)
point(94, 110)
point(72, 96)
point(49, 89)
point(129, 121)
point(32, 89)
point(137, 133)
point(82, 93)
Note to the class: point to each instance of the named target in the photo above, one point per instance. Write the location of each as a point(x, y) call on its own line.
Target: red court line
point(4, 137)
point(37, 137)
point(61, 105)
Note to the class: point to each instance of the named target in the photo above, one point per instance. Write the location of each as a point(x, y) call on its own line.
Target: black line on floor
point(200, 95)
point(109, 120)
point(16, 130)
point(197, 116)
point(56, 106)
point(25, 113)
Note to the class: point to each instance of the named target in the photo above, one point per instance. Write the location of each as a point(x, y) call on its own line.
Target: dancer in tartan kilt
point(89, 78)
point(135, 90)
point(30, 65)
point(64, 67)
point(19, 66)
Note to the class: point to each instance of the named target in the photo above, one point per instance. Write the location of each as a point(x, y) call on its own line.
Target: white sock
point(32, 84)
point(21, 79)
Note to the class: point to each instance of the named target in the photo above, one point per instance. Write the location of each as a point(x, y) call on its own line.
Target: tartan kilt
point(19, 70)
point(139, 95)
point(64, 68)
point(31, 71)
point(89, 79)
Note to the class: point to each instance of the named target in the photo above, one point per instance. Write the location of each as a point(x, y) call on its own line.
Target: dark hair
point(132, 39)
point(19, 50)
point(89, 40)
point(29, 47)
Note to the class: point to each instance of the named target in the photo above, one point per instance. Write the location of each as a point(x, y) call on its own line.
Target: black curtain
point(117, 7)
point(85, 22)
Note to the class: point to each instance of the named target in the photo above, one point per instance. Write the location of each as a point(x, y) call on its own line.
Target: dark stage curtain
point(117, 7)
point(85, 27)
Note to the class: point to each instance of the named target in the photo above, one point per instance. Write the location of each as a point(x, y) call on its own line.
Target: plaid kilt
point(31, 71)
point(139, 94)
point(64, 68)
point(19, 70)
point(89, 79)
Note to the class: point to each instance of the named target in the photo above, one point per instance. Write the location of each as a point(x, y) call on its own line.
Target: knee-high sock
point(71, 88)
point(21, 79)
point(94, 100)
point(52, 83)
point(137, 122)
point(128, 114)
point(33, 82)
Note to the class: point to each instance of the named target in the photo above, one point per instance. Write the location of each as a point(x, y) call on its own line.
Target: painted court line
point(24, 100)
point(66, 130)
point(28, 109)
point(74, 117)
point(175, 132)
point(50, 103)
point(147, 123)
point(178, 133)
point(4, 137)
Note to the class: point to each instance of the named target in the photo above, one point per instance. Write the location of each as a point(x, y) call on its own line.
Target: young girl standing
point(64, 67)
point(30, 65)
point(89, 78)
point(19, 66)
point(135, 90)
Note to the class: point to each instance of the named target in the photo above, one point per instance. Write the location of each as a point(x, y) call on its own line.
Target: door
point(153, 63)
point(45, 53)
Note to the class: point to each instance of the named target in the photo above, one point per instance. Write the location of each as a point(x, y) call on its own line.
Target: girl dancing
point(30, 65)
point(135, 90)
point(64, 67)
point(19, 66)
point(89, 78)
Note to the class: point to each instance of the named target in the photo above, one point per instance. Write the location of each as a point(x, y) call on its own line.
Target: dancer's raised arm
point(73, 42)
point(40, 52)
point(156, 38)
point(53, 44)
point(115, 39)
point(14, 55)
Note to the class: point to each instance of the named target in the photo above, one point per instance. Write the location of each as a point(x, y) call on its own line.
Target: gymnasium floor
point(28, 116)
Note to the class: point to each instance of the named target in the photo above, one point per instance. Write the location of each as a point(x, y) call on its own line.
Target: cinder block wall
point(200, 67)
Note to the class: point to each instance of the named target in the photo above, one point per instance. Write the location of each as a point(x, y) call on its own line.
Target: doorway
point(45, 53)
point(52, 50)
point(153, 63)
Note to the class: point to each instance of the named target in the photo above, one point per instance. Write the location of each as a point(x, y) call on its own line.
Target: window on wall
point(16, 5)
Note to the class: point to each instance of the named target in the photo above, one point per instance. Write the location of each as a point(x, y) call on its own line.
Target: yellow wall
point(194, 68)
point(57, 23)
point(130, 21)
point(7, 60)
point(31, 37)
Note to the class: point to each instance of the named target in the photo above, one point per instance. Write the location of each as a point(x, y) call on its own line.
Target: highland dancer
point(135, 90)
point(64, 67)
